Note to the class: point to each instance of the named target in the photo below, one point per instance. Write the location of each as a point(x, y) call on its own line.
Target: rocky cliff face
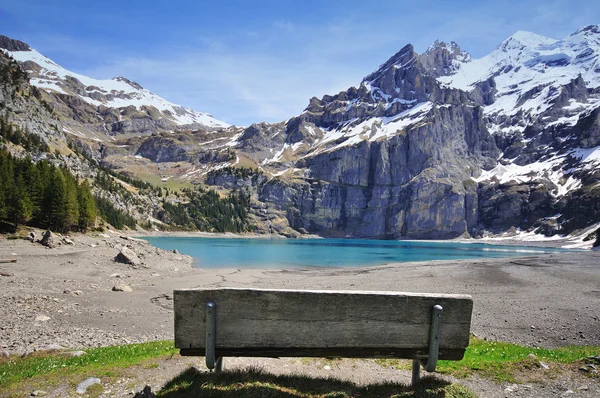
point(412, 184)
point(393, 158)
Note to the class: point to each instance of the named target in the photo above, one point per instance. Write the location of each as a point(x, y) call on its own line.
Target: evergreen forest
point(43, 195)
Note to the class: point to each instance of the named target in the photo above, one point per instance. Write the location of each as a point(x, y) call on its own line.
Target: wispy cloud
point(284, 25)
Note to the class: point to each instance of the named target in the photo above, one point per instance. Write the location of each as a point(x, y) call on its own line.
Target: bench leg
point(416, 372)
point(434, 346)
point(211, 361)
point(434, 339)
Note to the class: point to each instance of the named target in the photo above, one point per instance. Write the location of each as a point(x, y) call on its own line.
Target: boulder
point(127, 256)
point(121, 288)
point(31, 237)
point(83, 386)
point(48, 239)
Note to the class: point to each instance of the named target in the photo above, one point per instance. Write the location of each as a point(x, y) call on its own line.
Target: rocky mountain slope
point(30, 129)
point(109, 107)
point(432, 145)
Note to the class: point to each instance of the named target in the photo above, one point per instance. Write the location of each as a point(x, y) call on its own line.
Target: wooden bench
point(217, 323)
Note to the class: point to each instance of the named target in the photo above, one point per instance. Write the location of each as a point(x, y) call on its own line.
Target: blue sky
point(251, 61)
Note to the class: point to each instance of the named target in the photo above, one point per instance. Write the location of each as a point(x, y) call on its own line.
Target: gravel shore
point(65, 295)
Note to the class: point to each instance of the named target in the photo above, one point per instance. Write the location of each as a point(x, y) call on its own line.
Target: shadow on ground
point(254, 382)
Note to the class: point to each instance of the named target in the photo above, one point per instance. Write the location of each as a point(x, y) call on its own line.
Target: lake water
point(293, 253)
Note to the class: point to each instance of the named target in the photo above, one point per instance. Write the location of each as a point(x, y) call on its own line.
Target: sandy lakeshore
point(64, 295)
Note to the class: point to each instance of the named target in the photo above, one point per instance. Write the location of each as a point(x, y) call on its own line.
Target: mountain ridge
point(116, 93)
point(431, 145)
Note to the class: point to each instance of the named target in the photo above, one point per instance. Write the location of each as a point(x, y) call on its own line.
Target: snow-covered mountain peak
point(402, 59)
point(118, 92)
point(452, 47)
point(522, 39)
point(443, 59)
point(529, 70)
point(588, 30)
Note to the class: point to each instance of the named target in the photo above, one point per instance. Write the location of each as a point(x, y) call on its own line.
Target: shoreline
point(573, 242)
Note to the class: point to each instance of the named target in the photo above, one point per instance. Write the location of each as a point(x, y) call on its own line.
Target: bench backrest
point(303, 323)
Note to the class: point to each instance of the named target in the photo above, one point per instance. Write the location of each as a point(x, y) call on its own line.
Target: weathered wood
point(352, 352)
point(8, 260)
point(274, 323)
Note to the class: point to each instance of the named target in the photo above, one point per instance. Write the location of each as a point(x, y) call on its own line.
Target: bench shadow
point(254, 382)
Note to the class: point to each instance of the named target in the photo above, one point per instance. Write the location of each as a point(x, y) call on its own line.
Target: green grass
point(15, 237)
point(500, 361)
point(492, 360)
point(504, 361)
point(173, 184)
point(55, 367)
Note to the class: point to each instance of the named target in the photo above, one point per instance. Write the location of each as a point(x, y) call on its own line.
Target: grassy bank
point(507, 362)
point(492, 360)
point(51, 368)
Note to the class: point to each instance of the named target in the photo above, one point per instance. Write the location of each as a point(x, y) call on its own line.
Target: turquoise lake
point(294, 253)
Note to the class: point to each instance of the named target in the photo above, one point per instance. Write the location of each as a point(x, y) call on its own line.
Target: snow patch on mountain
point(372, 129)
point(115, 93)
point(287, 149)
point(589, 157)
point(552, 169)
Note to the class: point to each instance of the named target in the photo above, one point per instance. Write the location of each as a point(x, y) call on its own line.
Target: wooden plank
point(8, 260)
point(303, 321)
point(352, 352)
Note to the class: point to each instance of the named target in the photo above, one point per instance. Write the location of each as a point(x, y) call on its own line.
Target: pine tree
point(35, 186)
point(71, 204)
point(6, 183)
point(87, 206)
point(20, 205)
point(55, 198)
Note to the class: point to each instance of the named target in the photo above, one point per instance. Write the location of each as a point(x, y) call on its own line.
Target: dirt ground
point(64, 296)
